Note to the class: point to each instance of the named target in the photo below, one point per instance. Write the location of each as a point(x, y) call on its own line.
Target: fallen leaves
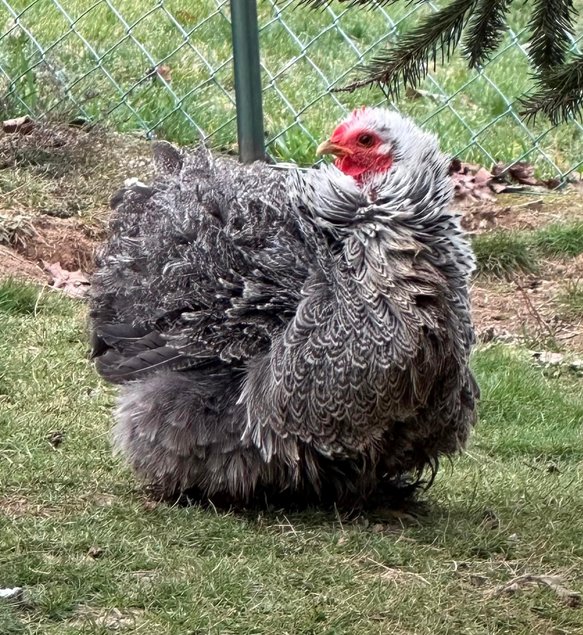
point(20, 125)
point(520, 172)
point(162, 71)
point(72, 283)
point(471, 182)
point(553, 582)
point(475, 183)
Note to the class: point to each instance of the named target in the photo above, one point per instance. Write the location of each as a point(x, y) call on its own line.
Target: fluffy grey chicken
point(286, 331)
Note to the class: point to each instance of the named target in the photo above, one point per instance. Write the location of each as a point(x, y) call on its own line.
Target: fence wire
point(165, 68)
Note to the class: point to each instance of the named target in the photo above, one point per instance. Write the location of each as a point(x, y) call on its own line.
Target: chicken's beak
point(332, 148)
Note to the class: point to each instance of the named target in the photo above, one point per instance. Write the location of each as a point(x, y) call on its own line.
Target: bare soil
point(524, 212)
point(65, 240)
point(528, 308)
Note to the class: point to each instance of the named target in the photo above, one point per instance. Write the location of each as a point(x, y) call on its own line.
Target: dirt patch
point(529, 308)
point(524, 212)
point(110, 619)
point(67, 241)
point(14, 265)
point(506, 315)
point(49, 240)
point(55, 186)
point(14, 507)
point(67, 172)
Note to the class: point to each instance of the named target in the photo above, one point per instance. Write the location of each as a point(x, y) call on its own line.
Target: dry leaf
point(73, 283)
point(165, 72)
point(475, 183)
point(471, 182)
point(521, 172)
point(162, 71)
point(553, 582)
point(22, 125)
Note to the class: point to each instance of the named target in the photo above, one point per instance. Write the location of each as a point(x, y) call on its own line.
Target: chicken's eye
point(365, 140)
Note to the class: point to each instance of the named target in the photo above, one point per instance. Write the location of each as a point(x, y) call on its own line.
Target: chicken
point(289, 332)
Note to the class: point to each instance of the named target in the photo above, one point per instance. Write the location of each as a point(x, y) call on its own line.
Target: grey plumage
point(285, 330)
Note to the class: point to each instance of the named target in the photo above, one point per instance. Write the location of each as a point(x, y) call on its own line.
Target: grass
point(95, 555)
point(571, 299)
point(17, 298)
point(92, 552)
point(298, 72)
point(501, 253)
point(14, 230)
point(63, 172)
point(560, 240)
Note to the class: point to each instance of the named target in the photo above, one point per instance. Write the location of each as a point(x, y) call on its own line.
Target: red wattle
point(369, 164)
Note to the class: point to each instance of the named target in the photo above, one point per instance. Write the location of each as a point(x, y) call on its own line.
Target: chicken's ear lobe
point(167, 159)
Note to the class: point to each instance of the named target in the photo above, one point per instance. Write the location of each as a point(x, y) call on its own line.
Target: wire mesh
point(165, 67)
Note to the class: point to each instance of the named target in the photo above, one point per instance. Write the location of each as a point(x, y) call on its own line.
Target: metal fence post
point(247, 80)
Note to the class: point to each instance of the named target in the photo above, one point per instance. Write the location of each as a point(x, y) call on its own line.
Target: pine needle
point(409, 60)
point(551, 26)
point(485, 30)
point(558, 93)
point(368, 4)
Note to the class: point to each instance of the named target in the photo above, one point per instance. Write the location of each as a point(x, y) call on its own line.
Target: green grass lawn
point(98, 63)
point(503, 253)
point(95, 555)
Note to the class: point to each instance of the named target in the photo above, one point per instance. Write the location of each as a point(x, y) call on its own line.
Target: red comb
point(339, 131)
point(341, 128)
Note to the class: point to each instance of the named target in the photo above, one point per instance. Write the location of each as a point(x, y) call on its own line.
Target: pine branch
point(558, 93)
point(409, 59)
point(485, 30)
point(551, 25)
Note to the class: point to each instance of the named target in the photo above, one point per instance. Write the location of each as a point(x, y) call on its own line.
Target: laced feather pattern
point(286, 331)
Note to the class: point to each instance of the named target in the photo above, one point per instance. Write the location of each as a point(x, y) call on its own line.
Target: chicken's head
point(364, 143)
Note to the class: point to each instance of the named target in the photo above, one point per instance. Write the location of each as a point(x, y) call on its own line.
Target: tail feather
point(179, 431)
point(183, 432)
point(123, 352)
point(119, 368)
point(118, 336)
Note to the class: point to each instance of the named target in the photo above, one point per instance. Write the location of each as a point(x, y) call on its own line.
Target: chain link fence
point(165, 68)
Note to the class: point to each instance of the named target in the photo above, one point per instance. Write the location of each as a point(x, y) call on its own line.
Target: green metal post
point(247, 80)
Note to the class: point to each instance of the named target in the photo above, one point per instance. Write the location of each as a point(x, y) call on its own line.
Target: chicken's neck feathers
point(406, 210)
